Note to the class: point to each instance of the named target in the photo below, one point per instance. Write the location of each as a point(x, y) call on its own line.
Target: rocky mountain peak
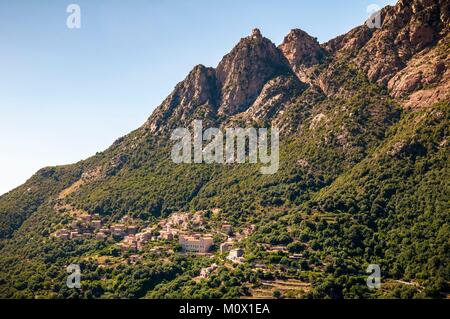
point(302, 51)
point(229, 89)
point(256, 34)
point(197, 90)
point(299, 47)
point(248, 80)
point(407, 29)
point(243, 72)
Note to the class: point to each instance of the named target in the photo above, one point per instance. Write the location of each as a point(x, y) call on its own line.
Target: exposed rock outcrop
point(197, 92)
point(245, 70)
point(426, 78)
point(303, 53)
point(276, 95)
point(407, 28)
point(398, 54)
point(257, 81)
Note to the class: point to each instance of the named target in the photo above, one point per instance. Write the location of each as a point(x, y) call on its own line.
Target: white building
point(196, 243)
point(235, 254)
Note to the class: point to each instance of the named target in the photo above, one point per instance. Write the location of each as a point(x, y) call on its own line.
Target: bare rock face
point(408, 54)
point(428, 70)
point(350, 42)
point(256, 34)
point(197, 93)
point(276, 95)
point(303, 52)
point(425, 79)
point(197, 89)
point(257, 81)
point(212, 94)
point(243, 72)
point(407, 29)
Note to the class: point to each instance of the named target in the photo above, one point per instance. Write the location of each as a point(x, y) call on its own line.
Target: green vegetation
point(361, 182)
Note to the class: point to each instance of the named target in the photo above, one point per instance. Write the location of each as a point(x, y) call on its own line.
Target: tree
point(277, 294)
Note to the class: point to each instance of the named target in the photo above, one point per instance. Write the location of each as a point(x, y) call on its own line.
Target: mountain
point(363, 178)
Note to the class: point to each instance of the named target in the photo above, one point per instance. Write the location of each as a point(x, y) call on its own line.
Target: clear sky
point(67, 93)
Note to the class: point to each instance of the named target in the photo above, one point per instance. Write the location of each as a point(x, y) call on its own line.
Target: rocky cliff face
point(229, 89)
point(197, 93)
point(275, 97)
point(425, 80)
point(407, 28)
point(257, 81)
point(408, 54)
point(245, 70)
point(303, 53)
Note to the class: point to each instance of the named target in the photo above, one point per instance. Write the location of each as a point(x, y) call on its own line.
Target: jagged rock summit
point(256, 34)
point(303, 52)
point(255, 81)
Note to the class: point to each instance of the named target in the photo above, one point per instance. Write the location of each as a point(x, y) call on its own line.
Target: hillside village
point(217, 243)
point(185, 233)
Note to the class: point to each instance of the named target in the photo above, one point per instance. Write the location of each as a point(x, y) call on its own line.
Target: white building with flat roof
point(196, 243)
point(236, 254)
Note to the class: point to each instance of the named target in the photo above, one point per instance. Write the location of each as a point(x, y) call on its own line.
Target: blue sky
point(67, 93)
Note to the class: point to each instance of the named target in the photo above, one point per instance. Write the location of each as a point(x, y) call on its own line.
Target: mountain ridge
point(339, 105)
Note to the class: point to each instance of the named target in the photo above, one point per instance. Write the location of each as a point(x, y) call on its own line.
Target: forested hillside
point(363, 178)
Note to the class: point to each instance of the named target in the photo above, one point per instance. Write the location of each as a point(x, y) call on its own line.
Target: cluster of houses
point(205, 272)
point(235, 255)
point(183, 221)
point(132, 239)
point(91, 226)
point(135, 241)
point(179, 224)
point(83, 226)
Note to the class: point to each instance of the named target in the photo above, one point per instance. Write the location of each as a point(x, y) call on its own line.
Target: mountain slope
point(399, 193)
point(363, 165)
